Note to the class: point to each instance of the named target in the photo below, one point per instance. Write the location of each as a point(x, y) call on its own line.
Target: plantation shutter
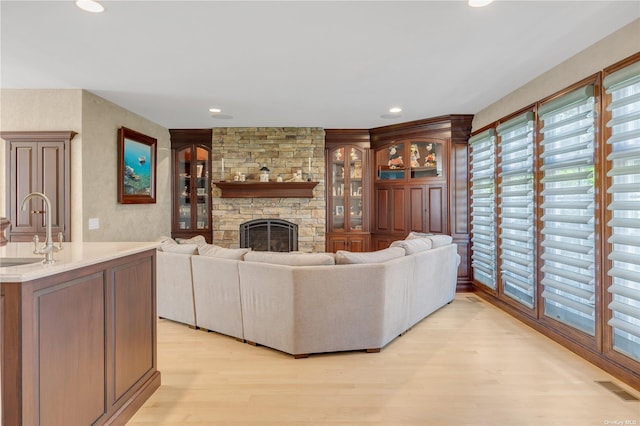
point(624, 88)
point(568, 209)
point(483, 259)
point(516, 197)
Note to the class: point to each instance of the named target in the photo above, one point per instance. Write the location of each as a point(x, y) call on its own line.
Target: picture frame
point(136, 167)
point(339, 210)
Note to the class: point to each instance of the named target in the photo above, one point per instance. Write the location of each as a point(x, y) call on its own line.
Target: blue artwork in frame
point(136, 167)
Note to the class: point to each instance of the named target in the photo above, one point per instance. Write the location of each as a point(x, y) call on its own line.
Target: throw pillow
point(290, 259)
point(166, 240)
point(222, 252)
point(412, 246)
point(198, 240)
point(344, 257)
point(440, 240)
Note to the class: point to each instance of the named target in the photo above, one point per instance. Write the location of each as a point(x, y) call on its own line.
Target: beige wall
point(101, 120)
point(40, 110)
point(93, 160)
point(617, 46)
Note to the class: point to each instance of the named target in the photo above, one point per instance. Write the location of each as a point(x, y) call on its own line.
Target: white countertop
point(72, 256)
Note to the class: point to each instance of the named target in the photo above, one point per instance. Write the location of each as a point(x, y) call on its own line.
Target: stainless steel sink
point(17, 261)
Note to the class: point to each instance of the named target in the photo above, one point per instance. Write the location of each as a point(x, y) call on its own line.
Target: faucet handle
point(60, 240)
point(36, 241)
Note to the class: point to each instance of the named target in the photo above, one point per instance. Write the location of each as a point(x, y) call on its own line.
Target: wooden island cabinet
point(78, 336)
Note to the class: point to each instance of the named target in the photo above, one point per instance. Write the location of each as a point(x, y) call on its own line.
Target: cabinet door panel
point(51, 180)
point(382, 209)
point(336, 243)
point(437, 214)
point(417, 209)
point(398, 213)
point(23, 181)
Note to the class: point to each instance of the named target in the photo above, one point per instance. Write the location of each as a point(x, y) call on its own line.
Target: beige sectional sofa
point(304, 303)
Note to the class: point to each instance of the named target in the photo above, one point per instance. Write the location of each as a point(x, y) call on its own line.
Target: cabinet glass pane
point(425, 159)
point(184, 186)
point(202, 188)
point(338, 189)
point(355, 189)
point(390, 163)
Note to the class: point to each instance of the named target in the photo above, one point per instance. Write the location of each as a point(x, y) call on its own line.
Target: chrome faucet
point(48, 248)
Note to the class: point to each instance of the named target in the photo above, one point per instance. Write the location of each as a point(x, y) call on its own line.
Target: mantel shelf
point(266, 189)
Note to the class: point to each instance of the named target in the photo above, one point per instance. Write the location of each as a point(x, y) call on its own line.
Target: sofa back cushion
point(413, 235)
point(179, 248)
point(290, 259)
point(412, 246)
point(344, 257)
point(212, 250)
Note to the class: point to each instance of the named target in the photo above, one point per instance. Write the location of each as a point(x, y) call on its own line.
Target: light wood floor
point(467, 364)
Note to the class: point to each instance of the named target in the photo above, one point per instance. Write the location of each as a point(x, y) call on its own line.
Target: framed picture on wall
point(136, 167)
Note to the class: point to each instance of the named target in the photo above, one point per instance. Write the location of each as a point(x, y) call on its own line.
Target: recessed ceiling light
point(479, 3)
point(215, 110)
point(90, 6)
point(395, 110)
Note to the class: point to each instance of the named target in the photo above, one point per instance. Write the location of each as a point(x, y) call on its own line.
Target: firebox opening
point(269, 235)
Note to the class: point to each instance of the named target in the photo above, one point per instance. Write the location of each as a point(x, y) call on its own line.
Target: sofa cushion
point(222, 252)
point(440, 240)
point(344, 257)
point(412, 246)
point(179, 248)
point(414, 235)
point(166, 240)
point(291, 259)
point(198, 240)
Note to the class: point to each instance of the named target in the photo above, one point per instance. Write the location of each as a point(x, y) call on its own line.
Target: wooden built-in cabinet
point(38, 162)
point(421, 183)
point(191, 188)
point(348, 189)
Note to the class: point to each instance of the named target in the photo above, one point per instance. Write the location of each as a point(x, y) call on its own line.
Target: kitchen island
point(79, 335)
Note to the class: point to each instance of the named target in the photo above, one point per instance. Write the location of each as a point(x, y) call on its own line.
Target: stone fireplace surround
point(284, 150)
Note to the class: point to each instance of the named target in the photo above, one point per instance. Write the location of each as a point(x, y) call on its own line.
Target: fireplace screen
point(269, 235)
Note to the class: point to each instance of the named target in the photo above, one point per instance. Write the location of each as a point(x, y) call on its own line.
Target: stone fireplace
point(269, 235)
point(284, 150)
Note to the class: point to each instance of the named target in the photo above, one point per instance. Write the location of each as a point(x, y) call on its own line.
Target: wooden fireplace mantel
point(266, 189)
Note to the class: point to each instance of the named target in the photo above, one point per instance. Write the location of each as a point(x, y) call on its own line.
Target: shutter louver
point(568, 209)
point(624, 88)
point(483, 259)
point(515, 199)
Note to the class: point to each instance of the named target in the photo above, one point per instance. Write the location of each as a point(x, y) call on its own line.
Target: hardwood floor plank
point(467, 364)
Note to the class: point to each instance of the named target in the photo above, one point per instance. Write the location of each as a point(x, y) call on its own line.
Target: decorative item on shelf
point(309, 174)
point(430, 157)
point(395, 159)
point(338, 155)
point(357, 171)
point(279, 178)
point(414, 155)
point(297, 177)
point(264, 173)
point(236, 177)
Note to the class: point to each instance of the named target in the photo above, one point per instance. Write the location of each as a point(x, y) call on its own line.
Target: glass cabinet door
point(355, 188)
point(391, 162)
point(193, 187)
point(203, 192)
point(425, 159)
point(346, 168)
point(184, 188)
point(337, 166)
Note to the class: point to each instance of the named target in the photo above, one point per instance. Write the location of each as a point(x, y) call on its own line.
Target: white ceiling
point(331, 64)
